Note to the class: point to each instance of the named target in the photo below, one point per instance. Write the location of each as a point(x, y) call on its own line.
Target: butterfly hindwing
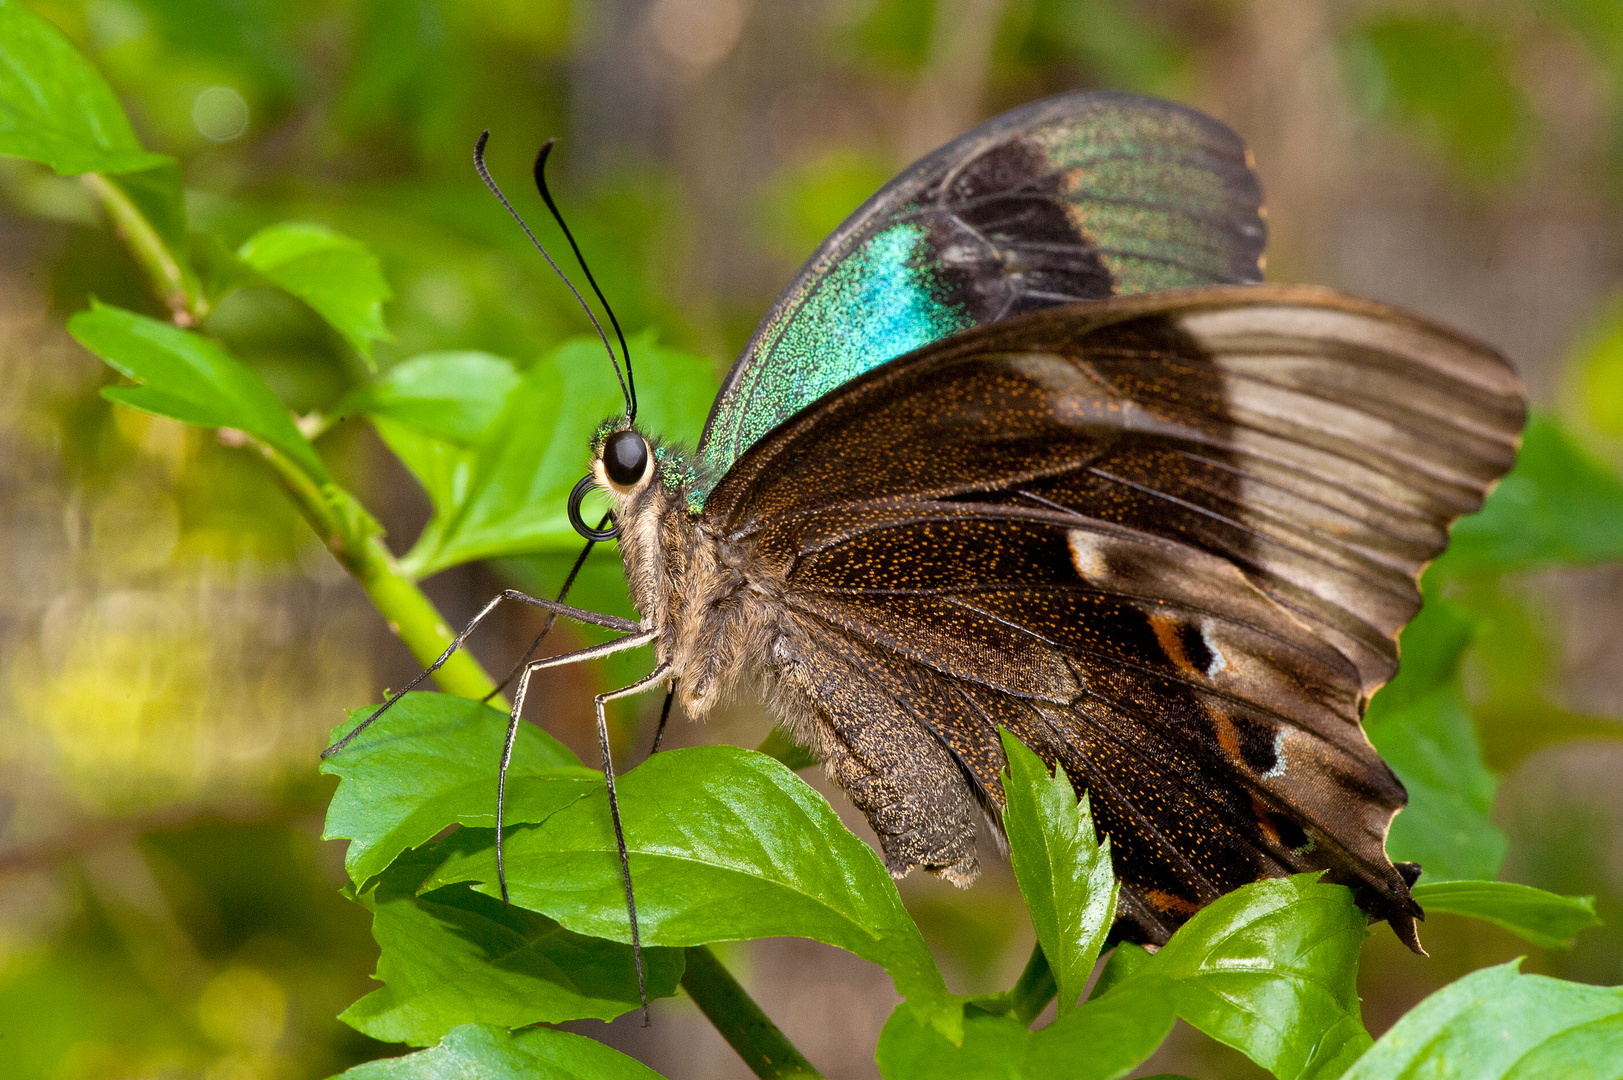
point(1169, 541)
point(1077, 197)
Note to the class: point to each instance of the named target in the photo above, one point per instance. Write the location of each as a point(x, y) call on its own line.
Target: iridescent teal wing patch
point(1071, 198)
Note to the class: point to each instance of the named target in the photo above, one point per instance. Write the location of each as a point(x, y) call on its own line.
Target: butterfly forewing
point(1168, 540)
point(1076, 197)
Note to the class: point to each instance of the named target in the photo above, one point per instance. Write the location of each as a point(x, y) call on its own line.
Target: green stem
point(349, 532)
point(1030, 995)
point(354, 541)
point(176, 287)
point(741, 1022)
point(1034, 989)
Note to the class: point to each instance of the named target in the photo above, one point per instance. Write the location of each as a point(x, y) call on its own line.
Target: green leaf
point(442, 467)
point(454, 395)
point(1544, 918)
point(1497, 1024)
point(1431, 647)
point(430, 762)
point(991, 1049)
point(1271, 969)
point(489, 1053)
point(337, 276)
point(55, 108)
point(188, 377)
point(453, 957)
point(1106, 1036)
point(516, 496)
point(1124, 960)
point(779, 744)
point(1423, 728)
point(726, 844)
point(1432, 745)
point(220, 269)
point(1099, 1039)
point(1559, 505)
point(516, 500)
point(1062, 868)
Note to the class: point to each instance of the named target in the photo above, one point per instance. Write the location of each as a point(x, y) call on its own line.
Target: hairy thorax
point(713, 609)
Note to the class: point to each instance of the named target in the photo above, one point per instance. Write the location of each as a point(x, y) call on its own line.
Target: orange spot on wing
point(1265, 821)
point(1166, 632)
point(1228, 740)
point(1169, 902)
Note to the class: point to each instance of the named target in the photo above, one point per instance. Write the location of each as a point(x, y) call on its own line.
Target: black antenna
point(484, 174)
point(557, 215)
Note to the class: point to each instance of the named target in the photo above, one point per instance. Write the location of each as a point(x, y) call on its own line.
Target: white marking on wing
point(1279, 757)
point(1088, 555)
point(1219, 661)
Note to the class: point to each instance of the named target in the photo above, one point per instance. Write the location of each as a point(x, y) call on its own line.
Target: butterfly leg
point(552, 617)
point(593, 652)
point(556, 609)
point(664, 715)
point(580, 615)
point(647, 682)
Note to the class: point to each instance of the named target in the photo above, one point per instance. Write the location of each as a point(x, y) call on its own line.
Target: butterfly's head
point(628, 465)
point(641, 479)
point(623, 462)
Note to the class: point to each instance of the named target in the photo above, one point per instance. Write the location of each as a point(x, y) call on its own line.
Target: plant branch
point(741, 1022)
point(178, 289)
point(350, 533)
point(354, 539)
point(1034, 989)
point(1030, 995)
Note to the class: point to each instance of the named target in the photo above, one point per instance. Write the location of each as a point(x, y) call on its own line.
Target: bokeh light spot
point(699, 33)
point(242, 1007)
point(220, 113)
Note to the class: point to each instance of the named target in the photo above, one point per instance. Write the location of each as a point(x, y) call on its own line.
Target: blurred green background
point(175, 644)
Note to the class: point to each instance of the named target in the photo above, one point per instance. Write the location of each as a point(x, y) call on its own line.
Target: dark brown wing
point(1169, 540)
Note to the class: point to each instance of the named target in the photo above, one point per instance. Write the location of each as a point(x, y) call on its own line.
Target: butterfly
point(1027, 444)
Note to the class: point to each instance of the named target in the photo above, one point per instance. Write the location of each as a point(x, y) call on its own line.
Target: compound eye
point(625, 458)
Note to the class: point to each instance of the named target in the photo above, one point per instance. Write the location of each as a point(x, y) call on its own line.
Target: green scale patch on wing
point(1073, 198)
